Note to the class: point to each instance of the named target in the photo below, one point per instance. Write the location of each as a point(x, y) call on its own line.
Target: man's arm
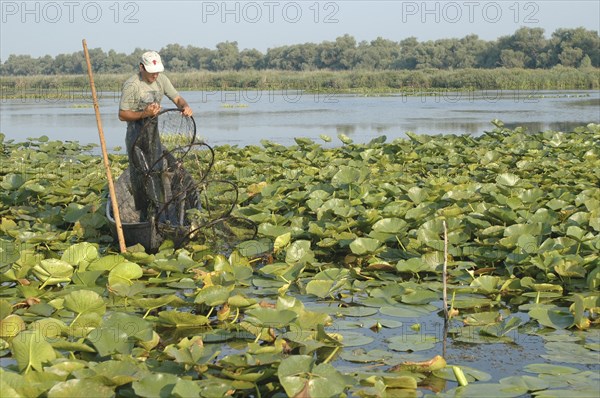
point(131, 116)
point(183, 105)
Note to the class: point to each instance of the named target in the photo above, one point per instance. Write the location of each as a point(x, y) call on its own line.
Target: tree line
point(526, 48)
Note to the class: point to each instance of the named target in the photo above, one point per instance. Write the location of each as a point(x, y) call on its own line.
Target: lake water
point(246, 117)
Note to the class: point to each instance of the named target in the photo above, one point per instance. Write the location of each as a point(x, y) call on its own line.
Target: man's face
point(148, 77)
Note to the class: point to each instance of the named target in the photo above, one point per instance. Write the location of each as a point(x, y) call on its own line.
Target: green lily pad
point(362, 246)
point(53, 271)
point(213, 295)
point(550, 369)
point(31, 351)
point(157, 385)
point(412, 342)
point(81, 255)
point(471, 374)
point(124, 273)
point(528, 382)
point(82, 301)
point(300, 373)
point(407, 311)
point(181, 319)
point(487, 390)
point(271, 317)
point(552, 317)
point(80, 388)
point(11, 326)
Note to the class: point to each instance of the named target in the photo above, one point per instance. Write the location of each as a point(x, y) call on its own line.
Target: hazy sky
point(38, 28)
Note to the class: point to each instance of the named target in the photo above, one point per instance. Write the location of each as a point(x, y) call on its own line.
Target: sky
point(39, 28)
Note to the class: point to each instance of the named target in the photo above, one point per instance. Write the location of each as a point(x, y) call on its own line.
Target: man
point(140, 103)
point(143, 92)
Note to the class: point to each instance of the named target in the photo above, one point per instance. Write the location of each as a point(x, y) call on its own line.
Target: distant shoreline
point(406, 82)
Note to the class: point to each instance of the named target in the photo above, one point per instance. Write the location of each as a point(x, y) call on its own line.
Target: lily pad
point(300, 375)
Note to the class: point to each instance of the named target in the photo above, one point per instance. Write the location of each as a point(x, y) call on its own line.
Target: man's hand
point(187, 111)
point(183, 106)
point(152, 110)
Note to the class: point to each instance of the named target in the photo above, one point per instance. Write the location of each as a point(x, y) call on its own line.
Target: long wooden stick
point(111, 187)
point(445, 274)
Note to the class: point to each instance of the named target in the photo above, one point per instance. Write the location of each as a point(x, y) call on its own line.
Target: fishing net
point(170, 189)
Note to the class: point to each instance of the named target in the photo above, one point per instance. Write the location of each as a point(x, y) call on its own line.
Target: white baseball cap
point(152, 63)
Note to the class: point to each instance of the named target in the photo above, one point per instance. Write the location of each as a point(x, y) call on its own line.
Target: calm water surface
point(246, 117)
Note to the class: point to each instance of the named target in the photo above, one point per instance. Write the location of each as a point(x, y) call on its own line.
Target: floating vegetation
point(234, 105)
point(341, 291)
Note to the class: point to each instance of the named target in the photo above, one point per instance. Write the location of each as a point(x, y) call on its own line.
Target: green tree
point(249, 59)
point(530, 45)
point(338, 55)
point(512, 59)
point(379, 54)
point(407, 59)
point(571, 56)
point(227, 56)
point(587, 40)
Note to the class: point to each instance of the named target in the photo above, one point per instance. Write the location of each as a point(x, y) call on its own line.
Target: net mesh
point(177, 194)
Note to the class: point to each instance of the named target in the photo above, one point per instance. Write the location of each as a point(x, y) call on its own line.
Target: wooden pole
point(111, 187)
point(445, 274)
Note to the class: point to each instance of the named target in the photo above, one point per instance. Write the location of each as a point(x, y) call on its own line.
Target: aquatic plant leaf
point(419, 296)
point(529, 382)
point(390, 226)
point(569, 353)
point(486, 284)
point(11, 325)
point(9, 253)
point(502, 328)
point(118, 372)
point(431, 365)
point(569, 393)
point(346, 175)
point(363, 246)
point(355, 339)
point(106, 263)
point(124, 273)
point(155, 385)
point(299, 374)
point(84, 323)
point(299, 252)
point(81, 255)
point(213, 295)
point(187, 388)
point(508, 179)
point(471, 374)
point(118, 332)
point(320, 288)
point(181, 319)
point(271, 317)
point(53, 271)
point(407, 311)
point(31, 351)
point(193, 353)
point(486, 390)
point(80, 388)
point(344, 138)
point(482, 318)
point(552, 317)
point(412, 342)
point(252, 248)
point(75, 212)
point(82, 301)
